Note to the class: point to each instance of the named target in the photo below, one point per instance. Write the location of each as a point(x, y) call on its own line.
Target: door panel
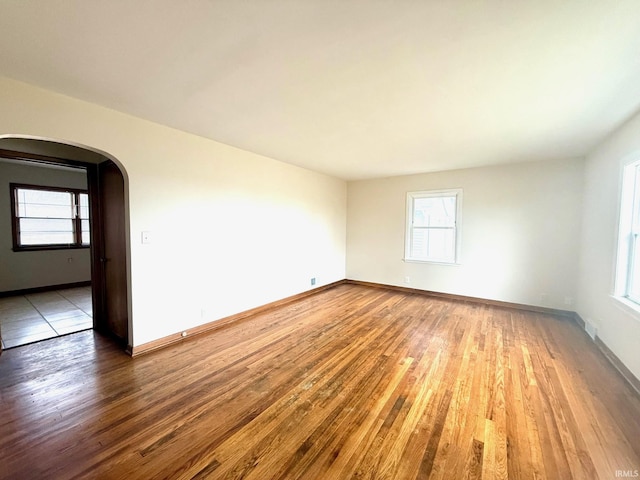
point(110, 260)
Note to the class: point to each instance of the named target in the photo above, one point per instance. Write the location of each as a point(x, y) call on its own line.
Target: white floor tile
point(39, 316)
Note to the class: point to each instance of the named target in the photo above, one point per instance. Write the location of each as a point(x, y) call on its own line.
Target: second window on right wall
point(627, 284)
point(433, 226)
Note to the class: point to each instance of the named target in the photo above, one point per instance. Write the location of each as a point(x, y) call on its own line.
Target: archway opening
point(108, 252)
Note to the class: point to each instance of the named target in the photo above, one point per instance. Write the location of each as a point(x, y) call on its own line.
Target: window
point(433, 234)
point(628, 267)
point(49, 217)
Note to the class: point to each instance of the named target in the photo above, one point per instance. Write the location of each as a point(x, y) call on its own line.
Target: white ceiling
point(352, 88)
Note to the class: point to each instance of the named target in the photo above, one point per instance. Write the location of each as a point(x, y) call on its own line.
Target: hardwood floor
point(354, 382)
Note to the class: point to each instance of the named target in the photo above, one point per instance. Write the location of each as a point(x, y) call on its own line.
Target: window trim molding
point(15, 219)
point(411, 196)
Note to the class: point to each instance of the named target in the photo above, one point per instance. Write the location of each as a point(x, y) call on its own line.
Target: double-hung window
point(49, 217)
point(433, 230)
point(628, 265)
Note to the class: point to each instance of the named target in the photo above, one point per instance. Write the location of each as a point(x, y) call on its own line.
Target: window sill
point(40, 248)
point(627, 306)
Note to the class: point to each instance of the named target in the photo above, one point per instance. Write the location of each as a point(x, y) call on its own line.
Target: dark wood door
point(110, 261)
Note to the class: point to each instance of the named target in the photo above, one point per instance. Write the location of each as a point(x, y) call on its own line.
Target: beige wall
point(230, 230)
point(520, 232)
point(618, 327)
point(22, 270)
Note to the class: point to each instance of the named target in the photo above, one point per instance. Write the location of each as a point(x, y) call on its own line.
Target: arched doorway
point(110, 253)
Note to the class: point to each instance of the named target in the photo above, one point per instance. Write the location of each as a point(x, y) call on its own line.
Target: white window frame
point(409, 229)
point(628, 235)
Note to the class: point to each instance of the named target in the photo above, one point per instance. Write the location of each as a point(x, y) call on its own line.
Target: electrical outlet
point(568, 301)
point(313, 281)
point(407, 280)
point(146, 238)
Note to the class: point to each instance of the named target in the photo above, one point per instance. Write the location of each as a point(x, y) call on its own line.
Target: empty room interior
point(320, 239)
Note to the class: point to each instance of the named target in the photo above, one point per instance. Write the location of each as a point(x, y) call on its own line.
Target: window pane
point(434, 212)
point(436, 245)
point(85, 232)
point(84, 205)
point(45, 204)
point(37, 231)
point(46, 196)
point(633, 288)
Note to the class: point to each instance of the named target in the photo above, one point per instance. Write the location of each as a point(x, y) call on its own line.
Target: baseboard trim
point(618, 365)
point(581, 323)
point(48, 288)
point(224, 322)
point(613, 359)
point(464, 298)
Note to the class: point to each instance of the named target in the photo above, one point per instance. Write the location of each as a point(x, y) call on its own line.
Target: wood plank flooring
point(354, 382)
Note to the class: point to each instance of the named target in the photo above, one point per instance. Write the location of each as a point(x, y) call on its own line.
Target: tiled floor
point(38, 316)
